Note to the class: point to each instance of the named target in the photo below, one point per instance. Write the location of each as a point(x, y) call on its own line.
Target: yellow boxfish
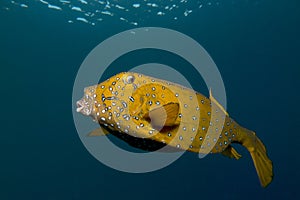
point(150, 113)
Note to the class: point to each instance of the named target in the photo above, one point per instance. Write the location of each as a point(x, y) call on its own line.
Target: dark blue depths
point(255, 48)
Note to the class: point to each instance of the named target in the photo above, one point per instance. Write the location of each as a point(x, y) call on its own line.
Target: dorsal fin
point(213, 100)
point(165, 115)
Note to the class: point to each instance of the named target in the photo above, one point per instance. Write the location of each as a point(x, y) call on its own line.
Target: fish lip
point(79, 105)
point(83, 107)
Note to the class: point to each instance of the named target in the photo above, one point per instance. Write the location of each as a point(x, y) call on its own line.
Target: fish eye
point(129, 79)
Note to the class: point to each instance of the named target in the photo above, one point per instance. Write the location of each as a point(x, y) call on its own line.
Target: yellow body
point(165, 112)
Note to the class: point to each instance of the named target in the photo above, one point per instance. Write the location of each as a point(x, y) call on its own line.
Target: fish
point(154, 114)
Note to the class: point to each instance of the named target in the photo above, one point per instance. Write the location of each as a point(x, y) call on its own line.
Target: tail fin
point(262, 163)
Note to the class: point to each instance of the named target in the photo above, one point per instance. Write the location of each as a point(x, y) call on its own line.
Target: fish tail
point(257, 149)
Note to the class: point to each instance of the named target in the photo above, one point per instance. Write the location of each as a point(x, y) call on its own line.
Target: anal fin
point(98, 132)
point(231, 153)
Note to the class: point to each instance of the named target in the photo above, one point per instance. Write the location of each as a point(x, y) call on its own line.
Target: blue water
point(254, 44)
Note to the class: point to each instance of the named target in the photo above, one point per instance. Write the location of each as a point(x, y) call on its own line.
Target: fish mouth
point(83, 107)
point(79, 105)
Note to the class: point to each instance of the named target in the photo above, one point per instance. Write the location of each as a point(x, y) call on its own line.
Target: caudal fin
point(262, 163)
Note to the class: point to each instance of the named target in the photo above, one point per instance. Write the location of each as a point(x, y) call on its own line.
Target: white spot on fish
point(126, 117)
point(131, 98)
point(124, 104)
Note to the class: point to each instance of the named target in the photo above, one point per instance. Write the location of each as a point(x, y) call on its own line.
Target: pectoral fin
point(231, 153)
point(98, 132)
point(165, 115)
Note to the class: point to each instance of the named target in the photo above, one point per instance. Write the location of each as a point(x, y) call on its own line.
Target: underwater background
point(255, 45)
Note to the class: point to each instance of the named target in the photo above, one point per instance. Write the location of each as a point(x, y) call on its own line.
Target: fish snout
point(84, 107)
point(79, 105)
